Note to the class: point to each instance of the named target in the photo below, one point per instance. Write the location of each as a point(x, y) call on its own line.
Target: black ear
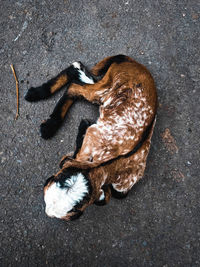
point(76, 215)
point(62, 162)
point(50, 179)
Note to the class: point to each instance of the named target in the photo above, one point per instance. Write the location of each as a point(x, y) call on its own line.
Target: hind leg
point(129, 176)
point(123, 184)
point(77, 73)
point(92, 92)
point(104, 196)
point(118, 194)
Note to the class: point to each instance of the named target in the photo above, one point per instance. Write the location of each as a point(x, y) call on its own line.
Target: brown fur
point(128, 103)
point(126, 86)
point(66, 107)
point(122, 173)
point(61, 81)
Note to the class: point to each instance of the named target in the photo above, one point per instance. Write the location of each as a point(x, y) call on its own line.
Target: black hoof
point(100, 203)
point(36, 94)
point(117, 194)
point(49, 128)
point(32, 95)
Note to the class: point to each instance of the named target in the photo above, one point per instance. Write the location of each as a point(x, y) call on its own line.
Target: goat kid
point(128, 101)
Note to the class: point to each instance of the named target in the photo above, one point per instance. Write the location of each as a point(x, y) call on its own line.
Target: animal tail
point(102, 66)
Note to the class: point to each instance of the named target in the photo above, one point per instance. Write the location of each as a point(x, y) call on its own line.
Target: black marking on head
point(71, 171)
point(66, 174)
point(50, 179)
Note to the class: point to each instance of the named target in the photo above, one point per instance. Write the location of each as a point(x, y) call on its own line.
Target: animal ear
point(64, 160)
point(50, 179)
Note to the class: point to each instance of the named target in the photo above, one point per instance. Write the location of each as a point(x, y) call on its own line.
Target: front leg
point(104, 196)
point(50, 126)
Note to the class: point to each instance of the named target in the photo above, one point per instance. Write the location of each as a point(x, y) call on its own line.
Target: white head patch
point(60, 200)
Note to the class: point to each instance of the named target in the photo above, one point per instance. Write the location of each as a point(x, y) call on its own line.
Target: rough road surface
point(158, 224)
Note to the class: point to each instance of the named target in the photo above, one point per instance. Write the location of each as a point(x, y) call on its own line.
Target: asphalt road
point(158, 223)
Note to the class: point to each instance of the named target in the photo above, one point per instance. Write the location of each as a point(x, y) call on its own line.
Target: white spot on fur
point(59, 201)
point(102, 196)
point(77, 65)
point(107, 102)
point(117, 189)
point(87, 150)
point(82, 76)
point(138, 104)
point(85, 78)
point(134, 180)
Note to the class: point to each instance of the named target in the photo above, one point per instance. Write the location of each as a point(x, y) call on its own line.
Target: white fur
point(77, 65)
point(102, 196)
point(85, 78)
point(82, 76)
point(59, 201)
point(122, 190)
point(107, 102)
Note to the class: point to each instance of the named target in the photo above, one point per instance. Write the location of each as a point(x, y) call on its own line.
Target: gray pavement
point(158, 223)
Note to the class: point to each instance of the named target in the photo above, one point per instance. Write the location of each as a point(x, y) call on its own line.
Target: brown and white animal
point(78, 185)
point(113, 150)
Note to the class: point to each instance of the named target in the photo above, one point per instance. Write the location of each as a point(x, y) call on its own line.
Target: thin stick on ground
point(17, 90)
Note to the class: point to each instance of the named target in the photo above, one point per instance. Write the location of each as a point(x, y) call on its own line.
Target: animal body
point(111, 153)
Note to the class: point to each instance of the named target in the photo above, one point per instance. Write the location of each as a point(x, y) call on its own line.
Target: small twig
point(17, 90)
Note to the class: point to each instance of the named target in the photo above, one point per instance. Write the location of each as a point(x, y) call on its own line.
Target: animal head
point(67, 194)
